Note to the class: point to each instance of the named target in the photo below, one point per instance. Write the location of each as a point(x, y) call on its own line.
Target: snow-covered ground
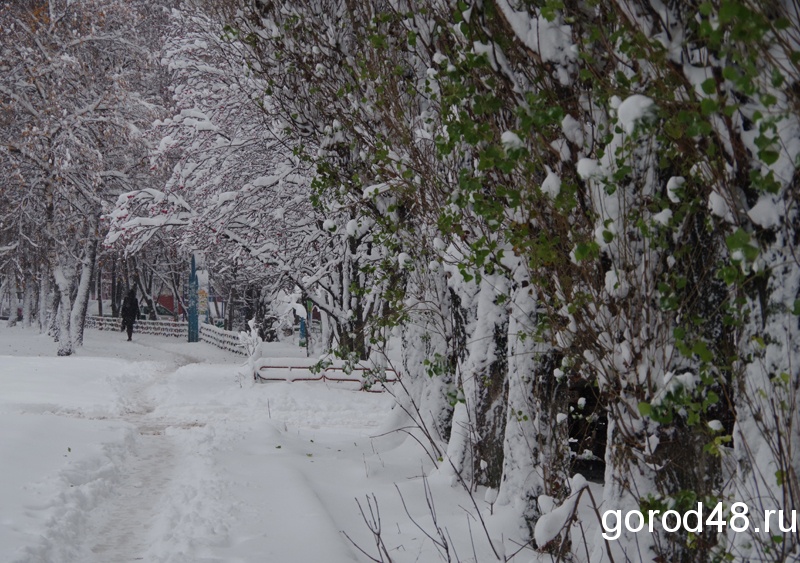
point(159, 450)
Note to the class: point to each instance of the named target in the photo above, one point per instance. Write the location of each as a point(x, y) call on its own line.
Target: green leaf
point(674, 128)
point(645, 409)
point(701, 349)
point(709, 86)
point(730, 73)
point(768, 100)
point(740, 240)
point(730, 10)
point(708, 106)
point(769, 157)
point(586, 250)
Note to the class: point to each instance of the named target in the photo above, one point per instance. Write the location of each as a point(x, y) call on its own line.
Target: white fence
point(224, 339)
point(177, 329)
point(215, 336)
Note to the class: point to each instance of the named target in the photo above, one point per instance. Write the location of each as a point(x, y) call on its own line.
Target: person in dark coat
point(130, 312)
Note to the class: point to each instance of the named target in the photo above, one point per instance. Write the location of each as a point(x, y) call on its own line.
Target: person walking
point(130, 312)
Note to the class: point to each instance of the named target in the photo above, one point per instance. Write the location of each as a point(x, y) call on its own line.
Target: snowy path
point(161, 451)
point(172, 457)
point(119, 528)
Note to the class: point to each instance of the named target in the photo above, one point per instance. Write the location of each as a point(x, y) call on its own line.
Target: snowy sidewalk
point(161, 451)
point(164, 453)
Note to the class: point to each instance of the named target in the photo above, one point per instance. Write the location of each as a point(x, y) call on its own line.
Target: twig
point(440, 543)
point(374, 525)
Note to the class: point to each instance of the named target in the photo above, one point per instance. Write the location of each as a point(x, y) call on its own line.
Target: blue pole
point(303, 334)
point(194, 324)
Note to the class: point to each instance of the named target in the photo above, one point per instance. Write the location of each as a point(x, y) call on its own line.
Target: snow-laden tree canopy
point(76, 90)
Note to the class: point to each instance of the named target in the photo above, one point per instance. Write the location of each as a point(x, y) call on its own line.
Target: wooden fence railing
point(215, 336)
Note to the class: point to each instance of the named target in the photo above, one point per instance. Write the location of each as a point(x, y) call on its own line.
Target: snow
point(663, 217)
point(511, 141)
point(766, 212)
point(552, 184)
point(404, 260)
point(164, 451)
point(633, 110)
point(674, 184)
point(573, 130)
point(552, 523)
point(588, 168)
point(614, 286)
point(374, 190)
point(552, 40)
point(719, 207)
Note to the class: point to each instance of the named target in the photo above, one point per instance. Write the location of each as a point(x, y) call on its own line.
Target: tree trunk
point(231, 306)
point(177, 298)
point(535, 451)
point(27, 300)
point(145, 285)
point(45, 298)
point(64, 285)
point(115, 289)
point(99, 289)
point(476, 441)
point(3, 287)
point(78, 314)
point(427, 361)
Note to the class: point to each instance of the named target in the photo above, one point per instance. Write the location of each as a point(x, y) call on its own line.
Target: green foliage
point(717, 128)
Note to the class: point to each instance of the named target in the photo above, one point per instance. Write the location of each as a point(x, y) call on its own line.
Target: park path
point(175, 456)
point(179, 500)
point(120, 530)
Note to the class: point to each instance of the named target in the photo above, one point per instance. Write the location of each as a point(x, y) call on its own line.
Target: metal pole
point(194, 325)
